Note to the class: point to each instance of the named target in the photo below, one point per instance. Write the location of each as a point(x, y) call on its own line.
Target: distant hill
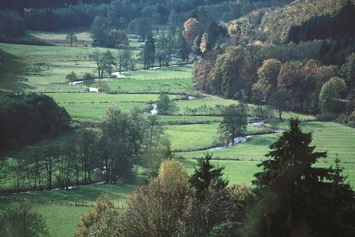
point(310, 19)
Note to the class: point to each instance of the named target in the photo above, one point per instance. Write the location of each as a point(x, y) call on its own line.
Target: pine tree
point(296, 197)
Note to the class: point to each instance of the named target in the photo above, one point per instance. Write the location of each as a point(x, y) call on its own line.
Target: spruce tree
point(297, 197)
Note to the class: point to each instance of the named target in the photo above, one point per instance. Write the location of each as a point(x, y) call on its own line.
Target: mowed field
point(192, 129)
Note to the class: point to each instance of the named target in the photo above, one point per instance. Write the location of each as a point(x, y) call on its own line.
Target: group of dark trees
point(27, 118)
point(136, 16)
point(290, 197)
point(88, 155)
point(11, 24)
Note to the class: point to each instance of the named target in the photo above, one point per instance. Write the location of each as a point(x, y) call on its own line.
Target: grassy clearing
point(186, 137)
point(60, 35)
point(189, 119)
point(90, 107)
point(254, 149)
point(110, 98)
point(43, 68)
point(196, 136)
point(172, 73)
point(63, 219)
point(180, 85)
point(335, 138)
point(94, 112)
point(208, 101)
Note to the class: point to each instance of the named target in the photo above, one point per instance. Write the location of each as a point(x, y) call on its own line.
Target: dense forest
point(26, 118)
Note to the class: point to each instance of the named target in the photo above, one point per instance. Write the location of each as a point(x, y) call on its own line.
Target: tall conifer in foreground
point(296, 198)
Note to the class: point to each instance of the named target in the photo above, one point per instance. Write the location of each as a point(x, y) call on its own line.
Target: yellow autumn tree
point(102, 222)
point(157, 209)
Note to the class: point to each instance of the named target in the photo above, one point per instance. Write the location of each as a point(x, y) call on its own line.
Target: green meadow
point(192, 129)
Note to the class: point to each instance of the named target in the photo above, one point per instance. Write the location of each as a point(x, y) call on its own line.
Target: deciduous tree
point(158, 208)
point(192, 28)
point(233, 72)
point(71, 37)
point(104, 221)
point(268, 74)
point(22, 221)
point(235, 121)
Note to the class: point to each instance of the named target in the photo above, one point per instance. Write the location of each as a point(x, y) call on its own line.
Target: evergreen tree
point(297, 199)
point(149, 52)
point(183, 49)
point(207, 174)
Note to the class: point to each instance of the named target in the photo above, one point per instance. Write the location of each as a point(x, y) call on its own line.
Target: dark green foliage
point(163, 104)
point(11, 24)
point(213, 200)
point(295, 197)
point(88, 79)
point(183, 49)
point(116, 39)
point(149, 52)
point(71, 77)
point(26, 118)
point(214, 31)
point(207, 175)
point(104, 62)
point(325, 26)
point(235, 121)
point(22, 222)
point(229, 229)
point(71, 37)
point(233, 73)
point(122, 136)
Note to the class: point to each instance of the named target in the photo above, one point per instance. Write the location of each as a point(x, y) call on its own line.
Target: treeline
point(26, 118)
point(126, 14)
point(87, 155)
point(291, 85)
point(11, 24)
point(289, 196)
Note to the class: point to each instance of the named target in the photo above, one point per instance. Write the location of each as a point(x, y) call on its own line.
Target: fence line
point(50, 202)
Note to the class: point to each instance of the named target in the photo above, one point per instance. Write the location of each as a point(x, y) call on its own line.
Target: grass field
point(61, 218)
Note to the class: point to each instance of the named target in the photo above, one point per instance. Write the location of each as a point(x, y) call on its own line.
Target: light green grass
point(189, 119)
point(87, 112)
point(196, 136)
point(172, 73)
point(98, 97)
point(62, 220)
point(45, 67)
point(180, 85)
point(90, 107)
point(185, 137)
point(60, 35)
point(209, 101)
point(254, 149)
point(334, 138)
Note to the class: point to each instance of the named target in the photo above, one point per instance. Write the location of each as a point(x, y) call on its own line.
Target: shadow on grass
point(87, 193)
point(11, 74)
